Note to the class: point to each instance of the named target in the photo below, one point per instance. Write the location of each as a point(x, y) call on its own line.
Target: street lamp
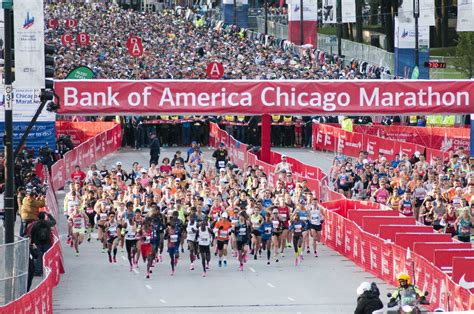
point(301, 23)
point(416, 15)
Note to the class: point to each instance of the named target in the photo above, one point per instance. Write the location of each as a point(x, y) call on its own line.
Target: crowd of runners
point(438, 194)
point(186, 205)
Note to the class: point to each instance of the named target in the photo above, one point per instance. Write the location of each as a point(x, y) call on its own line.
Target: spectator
point(78, 176)
point(30, 209)
point(41, 238)
point(221, 157)
point(154, 149)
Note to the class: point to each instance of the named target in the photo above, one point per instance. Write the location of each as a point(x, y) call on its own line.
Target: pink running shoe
point(241, 267)
point(296, 261)
point(204, 274)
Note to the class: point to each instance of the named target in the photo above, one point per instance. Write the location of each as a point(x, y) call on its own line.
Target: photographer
point(41, 239)
point(30, 209)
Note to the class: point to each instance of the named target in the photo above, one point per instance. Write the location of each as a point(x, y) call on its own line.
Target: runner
point(266, 231)
point(191, 231)
point(297, 226)
point(242, 236)
point(145, 247)
point(316, 218)
point(223, 230)
point(203, 237)
point(172, 235)
point(112, 229)
point(78, 220)
point(277, 231)
point(256, 221)
point(131, 236)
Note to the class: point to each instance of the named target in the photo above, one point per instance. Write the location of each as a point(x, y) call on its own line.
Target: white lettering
point(70, 96)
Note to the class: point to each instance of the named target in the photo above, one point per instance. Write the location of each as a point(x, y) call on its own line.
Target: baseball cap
point(118, 163)
point(143, 170)
point(417, 154)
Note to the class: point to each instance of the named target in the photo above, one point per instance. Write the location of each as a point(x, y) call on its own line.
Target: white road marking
point(270, 285)
point(135, 271)
point(251, 269)
point(291, 299)
point(162, 301)
point(148, 287)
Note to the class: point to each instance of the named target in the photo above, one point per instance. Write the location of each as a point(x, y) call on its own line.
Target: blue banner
point(42, 133)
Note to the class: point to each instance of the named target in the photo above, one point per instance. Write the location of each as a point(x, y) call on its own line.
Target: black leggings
point(205, 255)
point(131, 246)
point(268, 245)
point(297, 240)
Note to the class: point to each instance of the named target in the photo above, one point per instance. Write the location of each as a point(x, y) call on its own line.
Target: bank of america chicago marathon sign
point(258, 97)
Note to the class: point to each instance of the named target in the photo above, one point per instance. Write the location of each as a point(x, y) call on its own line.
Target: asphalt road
point(91, 284)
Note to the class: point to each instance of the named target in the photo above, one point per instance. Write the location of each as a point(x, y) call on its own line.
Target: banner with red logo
point(135, 46)
point(152, 97)
point(444, 139)
point(463, 272)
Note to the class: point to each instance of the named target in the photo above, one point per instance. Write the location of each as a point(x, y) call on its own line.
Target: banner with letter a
point(29, 44)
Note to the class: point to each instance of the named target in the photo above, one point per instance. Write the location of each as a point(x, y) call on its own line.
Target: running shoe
point(77, 253)
point(176, 261)
point(191, 267)
point(245, 258)
point(315, 254)
point(220, 263)
point(147, 275)
point(172, 273)
point(115, 259)
point(225, 263)
point(277, 260)
point(268, 262)
point(103, 250)
point(110, 259)
point(241, 267)
point(308, 251)
point(204, 274)
point(296, 261)
point(255, 257)
point(71, 244)
point(160, 258)
point(207, 265)
point(88, 239)
point(288, 245)
point(131, 267)
point(182, 250)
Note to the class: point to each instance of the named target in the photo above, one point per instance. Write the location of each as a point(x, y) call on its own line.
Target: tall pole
point(235, 12)
point(301, 23)
point(339, 27)
point(416, 15)
point(266, 16)
point(8, 142)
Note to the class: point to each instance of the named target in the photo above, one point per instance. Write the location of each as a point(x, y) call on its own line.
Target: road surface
point(326, 284)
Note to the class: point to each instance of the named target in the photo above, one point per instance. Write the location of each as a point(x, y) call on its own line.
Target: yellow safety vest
point(241, 118)
point(229, 118)
point(287, 118)
point(413, 120)
point(438, 120)
point(165, 117)
point(275, 117)
point(175, 117)
point(347, 125)
point(429, 120)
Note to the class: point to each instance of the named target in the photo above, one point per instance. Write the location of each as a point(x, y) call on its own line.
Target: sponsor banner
point(465, 22)
point(463, 272)
point(29, 44)
point(310, 10)
point(405, 34)
point(348, 8)
point(443, 258)
point(329, 12)
point(427, 13)
point(405, 11)
point(324, 137)
point(58, 174)
point(82, 131)
point(106, 97)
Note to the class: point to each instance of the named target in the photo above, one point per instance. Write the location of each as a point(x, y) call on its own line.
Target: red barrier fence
point(82, 131)
point(334, 139)
point(343, 224)
point(40, 299)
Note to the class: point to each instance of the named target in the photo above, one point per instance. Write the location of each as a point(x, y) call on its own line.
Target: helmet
point(404, 276)
point(225, 215)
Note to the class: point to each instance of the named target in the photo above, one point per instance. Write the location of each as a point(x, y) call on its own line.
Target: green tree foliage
point(464, 61)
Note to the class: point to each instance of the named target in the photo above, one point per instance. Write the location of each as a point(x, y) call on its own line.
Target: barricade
point(376, 255)
point(40, 299)
point(334, 139)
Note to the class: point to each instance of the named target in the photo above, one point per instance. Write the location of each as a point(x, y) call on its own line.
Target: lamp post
point(301, 23)
point(266, 16)
point(416, 15)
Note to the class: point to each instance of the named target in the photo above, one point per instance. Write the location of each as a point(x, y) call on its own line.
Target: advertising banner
point(29, 44)
point(106, 97)
point(443, 258)
point(348, 8)
point(465, 22)
point(463, 272)
point(25, 104)
point(427, 13)
point(329, 12)
point(310, 10)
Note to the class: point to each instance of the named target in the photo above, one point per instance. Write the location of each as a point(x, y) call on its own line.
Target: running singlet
point(276, 225)
point(267, 229)
point(191, 231)
point(112, 230)
point(297, 227)
point(173, 240)
point(223, 228)
point(204, 237)
point(241, 231)
point(255, 220)
point(78, 222)
point(284, 213)
point(315, 217)
point(130, 232)
point(464, 229)
point(147, 238)
point(407, 208)
point(382, 196)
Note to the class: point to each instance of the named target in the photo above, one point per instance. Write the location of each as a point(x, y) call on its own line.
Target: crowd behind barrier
point(39, 299)
point(335, 139)
point(353, 229)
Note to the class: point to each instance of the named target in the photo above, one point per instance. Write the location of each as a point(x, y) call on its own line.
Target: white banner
point(25, 103)
point(405, 11)
point(329, 11)
point(427, 13)
point(465, 16)
point(29, 44)
point(405, 35)
point(348, 11)
point(310, 10)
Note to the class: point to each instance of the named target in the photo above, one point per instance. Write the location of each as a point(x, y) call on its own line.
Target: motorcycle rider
point(404, 281)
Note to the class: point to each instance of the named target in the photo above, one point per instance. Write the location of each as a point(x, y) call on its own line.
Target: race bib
point(268, 230)
point(90, 210)
point(242, 231)
point(77, 223)
point(223, 233)
point(174, 238)
point(221, 164)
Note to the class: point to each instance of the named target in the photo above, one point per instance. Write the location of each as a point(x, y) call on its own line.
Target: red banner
point(152, 97)
point(426, 249)
point(407, 240)
point(324, 137)
point(357, 215)
point(463, 272)
point(388, 232)
point(444, 258)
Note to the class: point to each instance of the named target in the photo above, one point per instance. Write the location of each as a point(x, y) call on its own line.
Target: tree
point(464, 60)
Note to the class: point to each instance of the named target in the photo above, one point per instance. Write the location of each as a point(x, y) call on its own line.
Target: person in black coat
point(154, 149)
point(368, 300)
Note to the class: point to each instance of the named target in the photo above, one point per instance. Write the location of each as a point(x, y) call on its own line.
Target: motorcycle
point(408, 302)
